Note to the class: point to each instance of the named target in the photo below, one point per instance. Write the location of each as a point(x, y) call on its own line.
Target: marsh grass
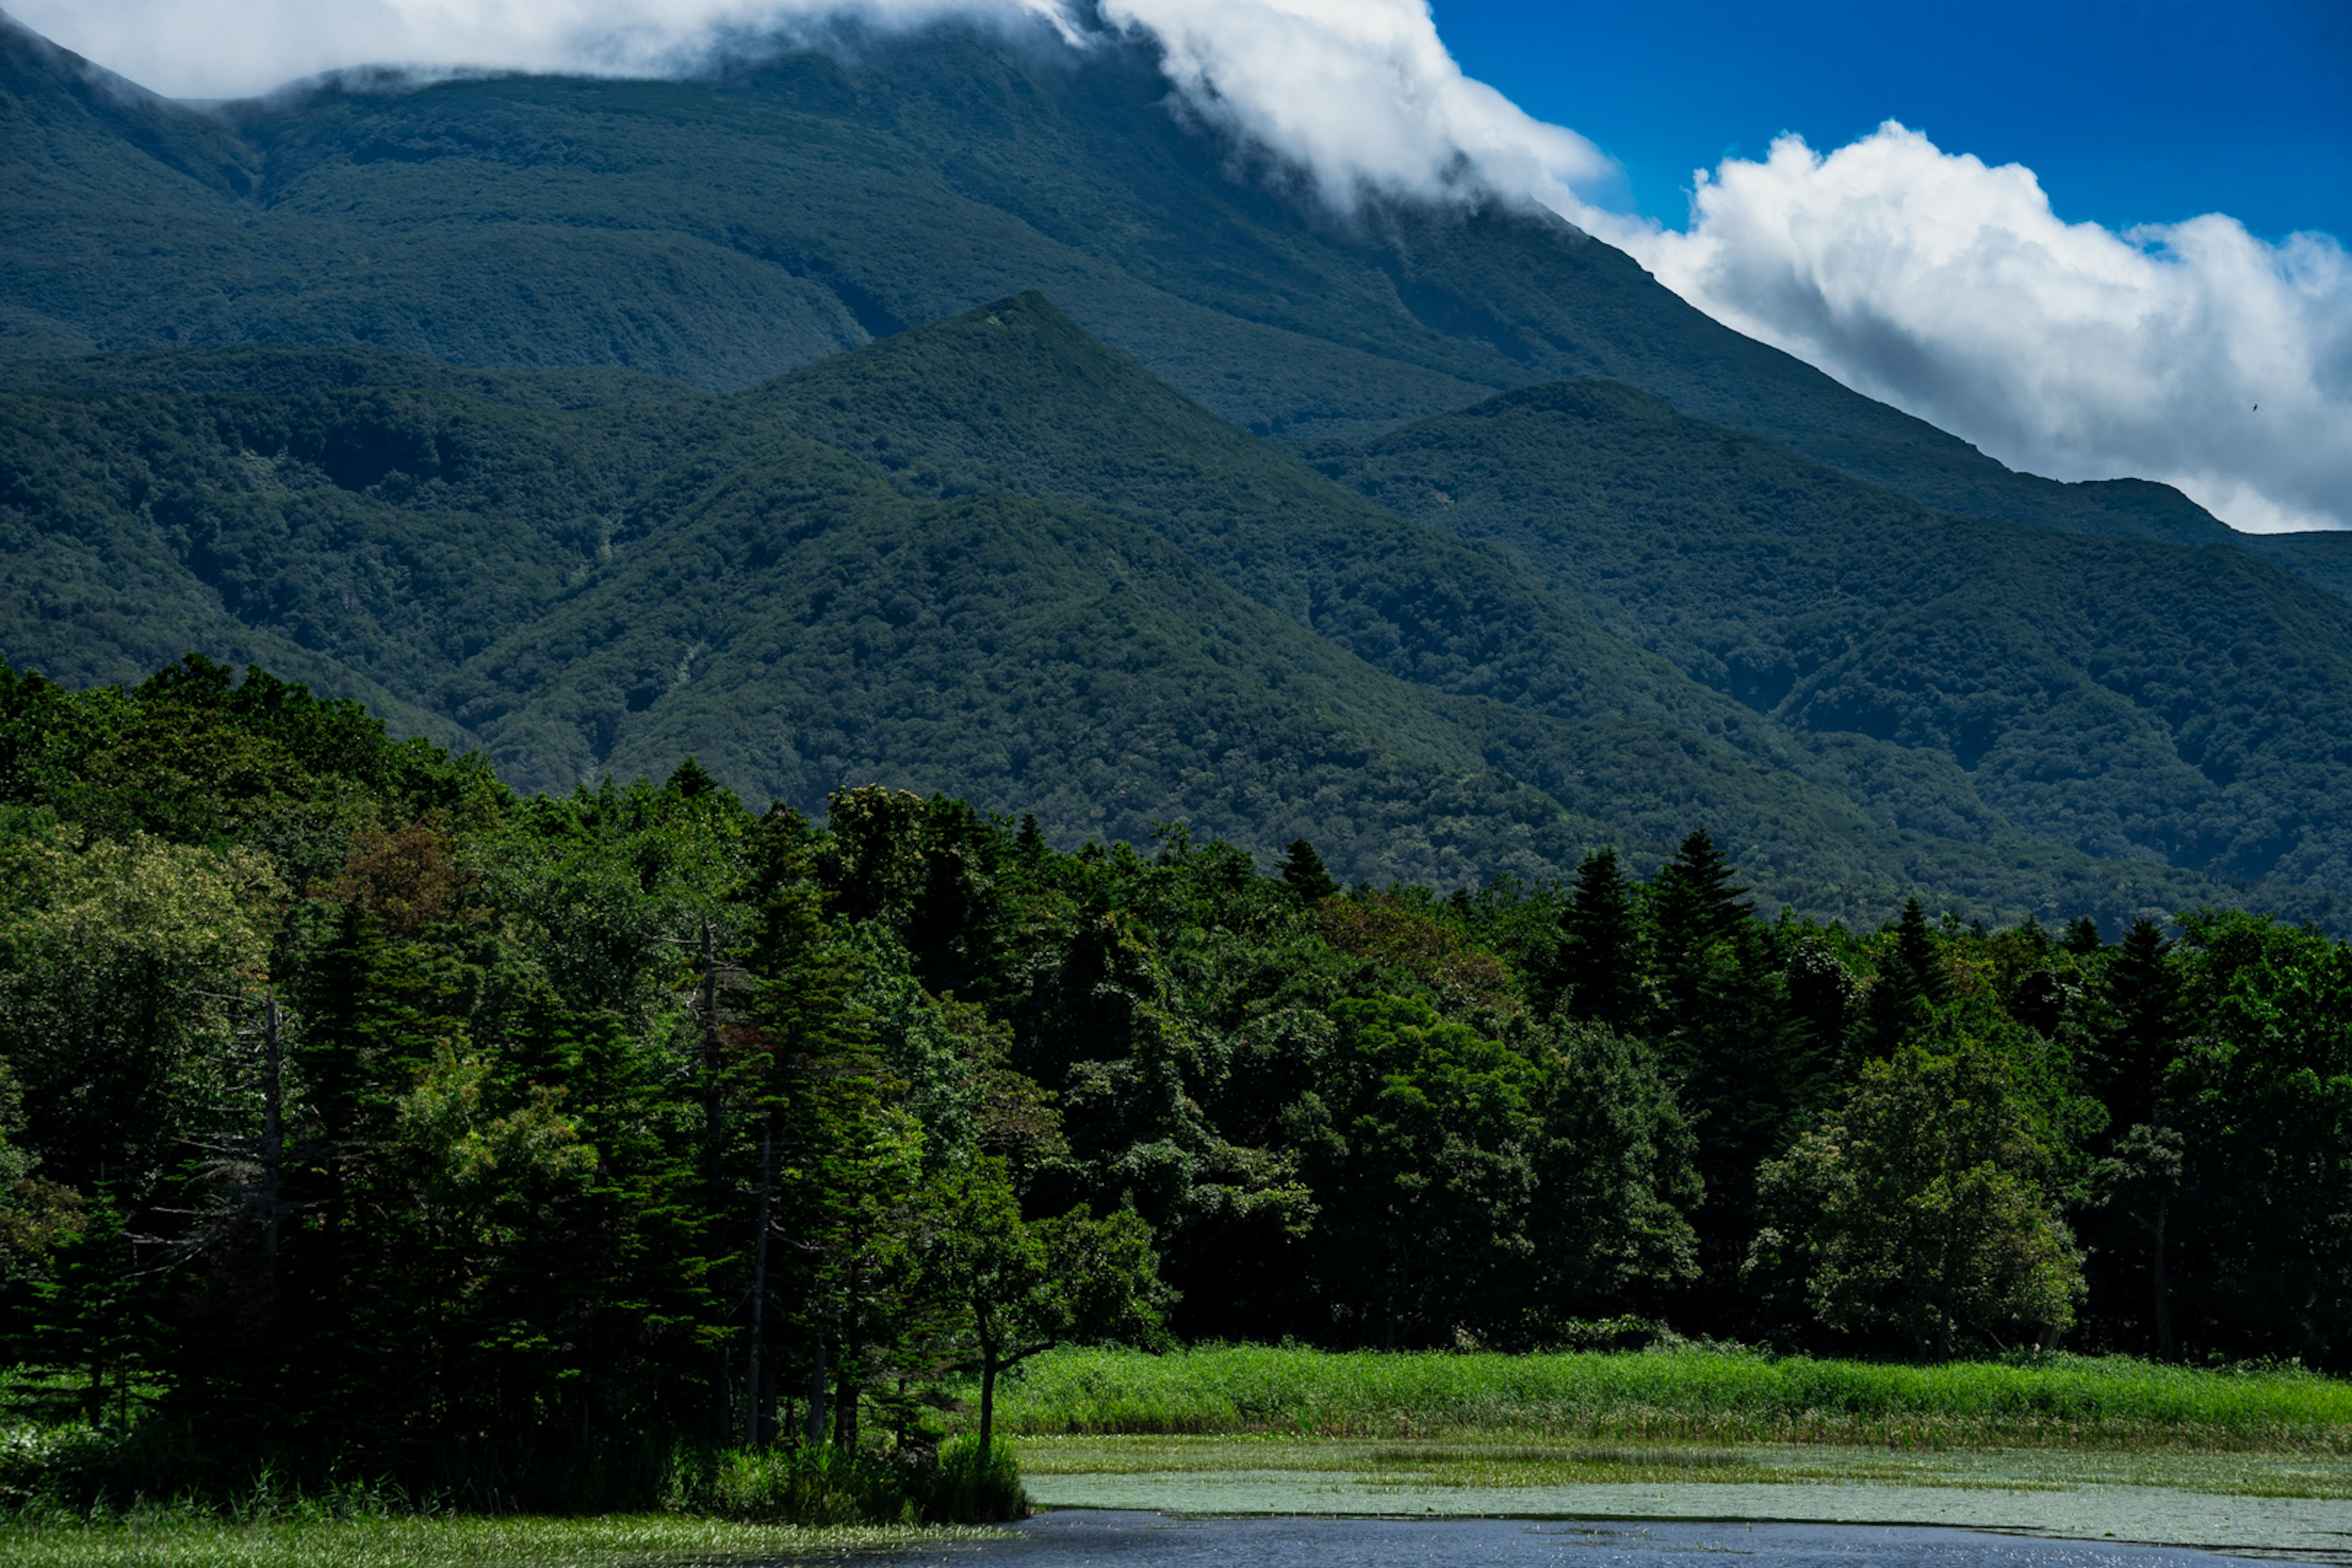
point(828, 1486)
point(459, 1542)
point(1683, 1396)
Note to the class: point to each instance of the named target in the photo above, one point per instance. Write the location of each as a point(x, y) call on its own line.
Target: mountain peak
point(46, 81)
point(1012, 396)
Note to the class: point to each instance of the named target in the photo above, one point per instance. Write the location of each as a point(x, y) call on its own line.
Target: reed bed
point(1687, 1394)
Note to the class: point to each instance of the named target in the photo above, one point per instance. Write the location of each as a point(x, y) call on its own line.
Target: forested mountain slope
point(505, 495)
point(2120, 696)
point(727, 228)
point(1166, 618)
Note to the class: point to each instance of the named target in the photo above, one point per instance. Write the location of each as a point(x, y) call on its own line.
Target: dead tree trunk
point(754, 1425)
point(817, 1421)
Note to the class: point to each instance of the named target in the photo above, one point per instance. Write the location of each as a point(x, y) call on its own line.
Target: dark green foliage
point(1304, 870)
point(673, 577)
point(1922, 1207)
point(1911, 982)
point(374, 1119)
point(1601, 961)
point(1696, 906)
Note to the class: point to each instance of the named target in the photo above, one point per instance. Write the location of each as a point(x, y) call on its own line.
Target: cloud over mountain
point(1360, 92)
point(1923, 278)
point(233, 48)
point(2192, 352)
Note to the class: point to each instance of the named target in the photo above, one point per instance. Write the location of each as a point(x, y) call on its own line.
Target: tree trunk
point(723, 1379)
point(273, 1151)
point(754, 1434)
point(2159, 1286)
point(987, 1403)
point(713, 1111)
point(816, 1397)
point(844, 1401)
point(273, 1130)
point(845, 1408)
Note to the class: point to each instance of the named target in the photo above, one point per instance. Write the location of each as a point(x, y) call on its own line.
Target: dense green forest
point(363, 1113)
point(993, 555)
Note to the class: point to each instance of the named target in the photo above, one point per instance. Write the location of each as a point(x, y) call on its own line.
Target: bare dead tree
point(242, 1169)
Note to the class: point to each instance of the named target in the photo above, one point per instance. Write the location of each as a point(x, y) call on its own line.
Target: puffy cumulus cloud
point(231, 48)
point(1361, 94)
point(2192, 352)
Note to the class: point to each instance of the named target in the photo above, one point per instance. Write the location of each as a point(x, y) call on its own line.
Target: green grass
point(1711, 1397)
point(424, 1542)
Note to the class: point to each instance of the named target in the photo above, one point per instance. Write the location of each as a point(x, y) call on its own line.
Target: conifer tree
point(2138, 1044)
point(1303, 872)
point(1911, 982)
point(1601, 965)
point(1694, 903)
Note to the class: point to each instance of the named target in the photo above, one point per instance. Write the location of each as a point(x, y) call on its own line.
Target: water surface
point(1103, 1539)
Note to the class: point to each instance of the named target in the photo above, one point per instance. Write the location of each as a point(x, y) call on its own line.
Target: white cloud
point(230, 48)
point(1947, 288)
point(1362, 93)
point(1951, 290)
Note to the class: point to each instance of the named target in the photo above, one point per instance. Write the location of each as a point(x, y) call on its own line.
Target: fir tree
point(1601, 966)
point(1911, 981)
point(2138, 1044)
point(2083, 937)
point(1695, 903)
point(1302, 870)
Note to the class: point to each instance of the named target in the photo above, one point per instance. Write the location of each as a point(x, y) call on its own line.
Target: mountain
point(593, 424)
point(2119, 695)
point(725, 229)
point(991, 556)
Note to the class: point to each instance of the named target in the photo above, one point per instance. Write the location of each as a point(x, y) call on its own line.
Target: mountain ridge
point(1277, 314)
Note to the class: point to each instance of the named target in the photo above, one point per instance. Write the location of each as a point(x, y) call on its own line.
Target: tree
point(1303, 872)
point(1694, 903)
point(2263, 1099)
point(110, 961)
point(1430, 1182)
point(2141, 1178)
point(1911, 983)
point(2138, 1044)
point(1602, 966)
point(36, 1215)
point(1616, 1167)
point(1920, 1207)
point(1725, 1029)
point(1020, 1287)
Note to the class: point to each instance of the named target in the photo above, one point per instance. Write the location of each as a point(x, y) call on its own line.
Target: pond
point(2251, 1505)
point(1085, 1538)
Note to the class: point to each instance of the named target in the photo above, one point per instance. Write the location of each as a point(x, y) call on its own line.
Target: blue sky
point(2130, 110)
